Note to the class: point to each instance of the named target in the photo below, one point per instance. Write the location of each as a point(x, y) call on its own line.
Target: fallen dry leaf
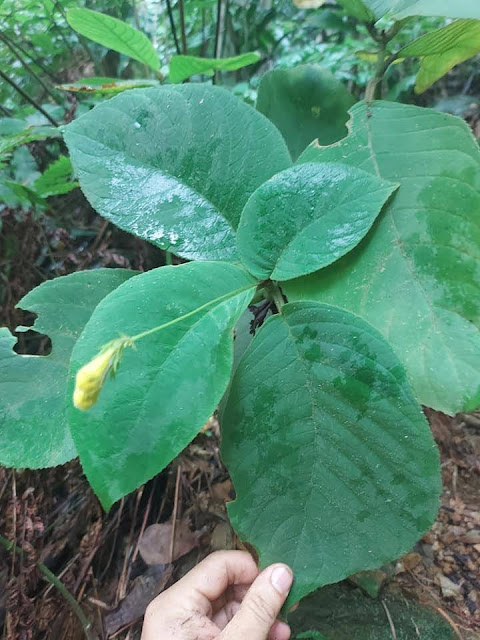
point(154, 546)
point(145, 588)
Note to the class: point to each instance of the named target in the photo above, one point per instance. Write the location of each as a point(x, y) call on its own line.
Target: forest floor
point(114, 564)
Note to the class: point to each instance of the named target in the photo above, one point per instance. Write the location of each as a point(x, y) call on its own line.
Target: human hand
point(223, 598)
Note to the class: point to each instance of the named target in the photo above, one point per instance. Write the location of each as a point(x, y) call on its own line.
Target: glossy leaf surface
point(442, 49)
point(346, 470)
point(399, 9)
point(183, 67)
point(113, 34)
point(416, 277)
point(33, 427)
point(305, 103)
point(306, 217)
point(175, 164)
point(166, 389)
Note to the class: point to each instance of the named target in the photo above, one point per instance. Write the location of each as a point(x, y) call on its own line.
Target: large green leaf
point(334, 466)
point(33, 428)
point(400, 9)
point(183, 67)
point(165, 389)
point(175, 164)
point(442, 49)
point(306, 217)
point(416, 277)
point(113, 34)
point(305, 103)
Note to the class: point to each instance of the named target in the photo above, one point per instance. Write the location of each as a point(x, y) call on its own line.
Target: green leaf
point(307, 217)
point(341, 612)
point(105, 86)
point(400, 9)
point(357, 9)
point(442, 49)
point(113, 34)
point(12, 126)
point(416, 277)
point(34, 431)
point(166, 389)
point(334, 466)
point(9, 143)
point(305, 103)
point(175, 165)
point(56, 179)
point(183, 67)
point(15, 193)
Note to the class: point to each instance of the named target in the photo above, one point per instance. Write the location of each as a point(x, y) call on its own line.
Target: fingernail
point(281, 579)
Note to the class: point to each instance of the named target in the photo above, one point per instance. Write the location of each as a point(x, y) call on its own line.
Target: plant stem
point(24, 95)
point(274, 293)
point(383, 61)
point(52, 578)
point(217, 29)
point(172, 26)
point(34, 59)
point(183, 33)
point(216, 46)
point(210, 303)
point(29, 69)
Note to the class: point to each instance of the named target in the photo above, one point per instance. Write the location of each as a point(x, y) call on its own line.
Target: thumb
point(261, 605)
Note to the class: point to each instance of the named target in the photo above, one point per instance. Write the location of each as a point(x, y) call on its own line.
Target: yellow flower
point(91, 377)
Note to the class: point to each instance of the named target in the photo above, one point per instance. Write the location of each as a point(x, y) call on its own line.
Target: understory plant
point(364, 247)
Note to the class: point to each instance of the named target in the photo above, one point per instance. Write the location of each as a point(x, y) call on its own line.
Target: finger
point(212, 577)
point(261, 605)
point(279, 631)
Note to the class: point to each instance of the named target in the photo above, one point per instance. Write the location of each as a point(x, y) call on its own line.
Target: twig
point(216, 51)
point(122, 583)
point(174, 514)
point(28, 68)
point(141, 532)
point(181, 11)
point(24, 95)
point(34, 59)
point(224, 30)
point(52, 578)
point(390, 621)
point(14, 515)
point(173, 27)
point(450, 622)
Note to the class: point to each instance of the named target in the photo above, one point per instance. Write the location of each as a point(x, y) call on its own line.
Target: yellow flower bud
point(91, 377)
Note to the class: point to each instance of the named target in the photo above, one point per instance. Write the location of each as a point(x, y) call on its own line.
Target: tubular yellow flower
point(91, 377)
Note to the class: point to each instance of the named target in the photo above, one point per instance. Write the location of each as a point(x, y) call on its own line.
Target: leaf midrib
point(161, 367)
